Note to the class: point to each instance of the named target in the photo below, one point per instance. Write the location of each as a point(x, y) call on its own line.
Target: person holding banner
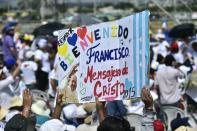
point(148, 122)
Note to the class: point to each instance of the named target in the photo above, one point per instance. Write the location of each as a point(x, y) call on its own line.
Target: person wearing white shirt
point(167, 83)
point(160, 60)
point(44, 67)
point(163, 46)
point(176, 54)
point(28, 69)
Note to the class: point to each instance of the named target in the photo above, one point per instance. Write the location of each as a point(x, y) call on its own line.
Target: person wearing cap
point(29, 69)
point(42, 58)
point(163, 47)
point(9, 49)
point(175, 52)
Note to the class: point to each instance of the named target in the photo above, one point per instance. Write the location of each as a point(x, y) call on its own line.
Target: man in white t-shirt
point(44, 67)
point(163, 47)
point(28, 69)
point(178, 56)
point(167, 82)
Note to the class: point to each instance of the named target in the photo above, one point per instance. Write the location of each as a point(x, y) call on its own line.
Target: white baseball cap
point(42, 43)
point(29, 54)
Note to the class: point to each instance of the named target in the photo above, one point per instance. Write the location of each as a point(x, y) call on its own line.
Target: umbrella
point(182, 31)
point(48, 29)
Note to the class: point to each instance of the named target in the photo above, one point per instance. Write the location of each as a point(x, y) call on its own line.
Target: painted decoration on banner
point(112, 56)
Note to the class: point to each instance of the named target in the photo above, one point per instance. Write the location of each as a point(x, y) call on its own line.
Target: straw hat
point(80, 112)
point(16, 101)
point(184, 128)
point(3, 112)
point(40, 108)
point(89, 107)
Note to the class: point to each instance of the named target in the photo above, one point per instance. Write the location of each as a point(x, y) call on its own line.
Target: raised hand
point(27, 102)
point(59, 99)
point(147, 98)
point(27, 99)
point(73, 70)
point(58, 108)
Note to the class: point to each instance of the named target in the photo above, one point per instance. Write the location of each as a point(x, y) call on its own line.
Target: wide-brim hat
point(3, 112)
point(89, 107)
point(185, 128)
point(80, 112)
point(16, 101)
point(56, 124)
point(40, 108)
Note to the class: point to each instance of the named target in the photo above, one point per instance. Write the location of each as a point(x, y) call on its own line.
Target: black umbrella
point(182, 31)
point(48, 29)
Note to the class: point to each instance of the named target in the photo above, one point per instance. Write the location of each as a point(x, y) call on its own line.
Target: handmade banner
point(112, 56)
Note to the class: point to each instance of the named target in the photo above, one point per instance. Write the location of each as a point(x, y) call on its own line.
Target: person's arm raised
point(73, 70)
point(27, 102)
point(58, 108)
point(17, 70)
point(147, 99)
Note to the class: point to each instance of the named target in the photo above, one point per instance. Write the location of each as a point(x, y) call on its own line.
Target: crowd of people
point(31, 98)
